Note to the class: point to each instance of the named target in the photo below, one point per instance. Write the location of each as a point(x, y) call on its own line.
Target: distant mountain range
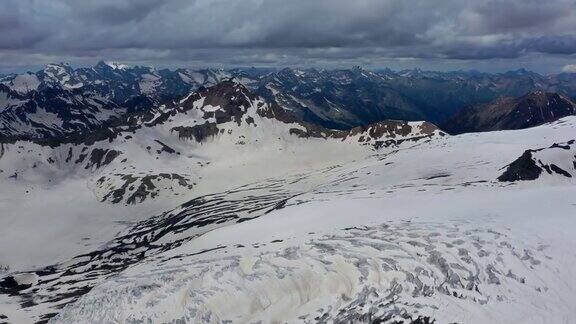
point(60, 101)
point(345, 98)
point(532, 109)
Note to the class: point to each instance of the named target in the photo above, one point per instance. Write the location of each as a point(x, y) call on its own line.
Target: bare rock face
point(524, 168)
point(101, 157)
point(556, 160)
point(199, 133)
point(133, 189)
point(225, 102)
point(382, 134)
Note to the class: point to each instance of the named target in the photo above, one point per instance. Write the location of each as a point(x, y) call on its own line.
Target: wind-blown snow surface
point(311, 231)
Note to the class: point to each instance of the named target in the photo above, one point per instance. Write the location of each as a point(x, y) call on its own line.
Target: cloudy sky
point(488, 35)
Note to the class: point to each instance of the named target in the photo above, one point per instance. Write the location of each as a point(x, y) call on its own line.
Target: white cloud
point(570, 68)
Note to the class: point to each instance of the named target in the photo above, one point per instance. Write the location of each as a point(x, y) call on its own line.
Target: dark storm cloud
point(15, 31)
point(283, 32)
point(554, 44)
point(119, 12)
point(505, 16)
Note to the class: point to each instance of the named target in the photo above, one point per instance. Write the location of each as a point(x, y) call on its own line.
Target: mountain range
point(532, 109)
point(60, 101)
point(130, 194)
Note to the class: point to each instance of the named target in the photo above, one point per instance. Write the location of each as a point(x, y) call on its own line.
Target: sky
point(485, 35)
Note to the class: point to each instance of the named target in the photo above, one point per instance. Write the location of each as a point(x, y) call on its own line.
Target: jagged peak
point(231, 84)
point(225, 92)
point(112, 65)
point(61, 64)
point(62, 67)
point(117, 65)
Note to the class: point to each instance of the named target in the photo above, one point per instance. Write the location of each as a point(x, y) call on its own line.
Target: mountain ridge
point(338, 99)
point(532, 109)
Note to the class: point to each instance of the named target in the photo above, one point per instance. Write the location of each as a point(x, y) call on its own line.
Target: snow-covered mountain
point(224, 206)
point(340, 244)
point(339, 99)
point(223, 203)
point(60, 101)
point(226, 116)
point(119, 80)
point(209, 141)
point(54, 113)
point(351, 97)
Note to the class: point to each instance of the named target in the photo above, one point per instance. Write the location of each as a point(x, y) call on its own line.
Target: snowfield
point(260, 223)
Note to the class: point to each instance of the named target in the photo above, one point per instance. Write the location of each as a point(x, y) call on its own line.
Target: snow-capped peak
point(116, 65)
point(54, 69)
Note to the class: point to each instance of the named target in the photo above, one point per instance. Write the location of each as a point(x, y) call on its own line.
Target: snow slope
point(88, 190)
point(388, 237)
point(285, 222)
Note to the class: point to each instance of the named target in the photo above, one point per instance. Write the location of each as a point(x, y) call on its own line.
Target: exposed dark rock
point(524, 168)
point(165, 148)
point(145, 189)
point(199, 133)
point(101, 157)
point(69, 157)
point(560, 171)
point(528, 167)
point(9, 285)
point(81, 158)
point(136, 189)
